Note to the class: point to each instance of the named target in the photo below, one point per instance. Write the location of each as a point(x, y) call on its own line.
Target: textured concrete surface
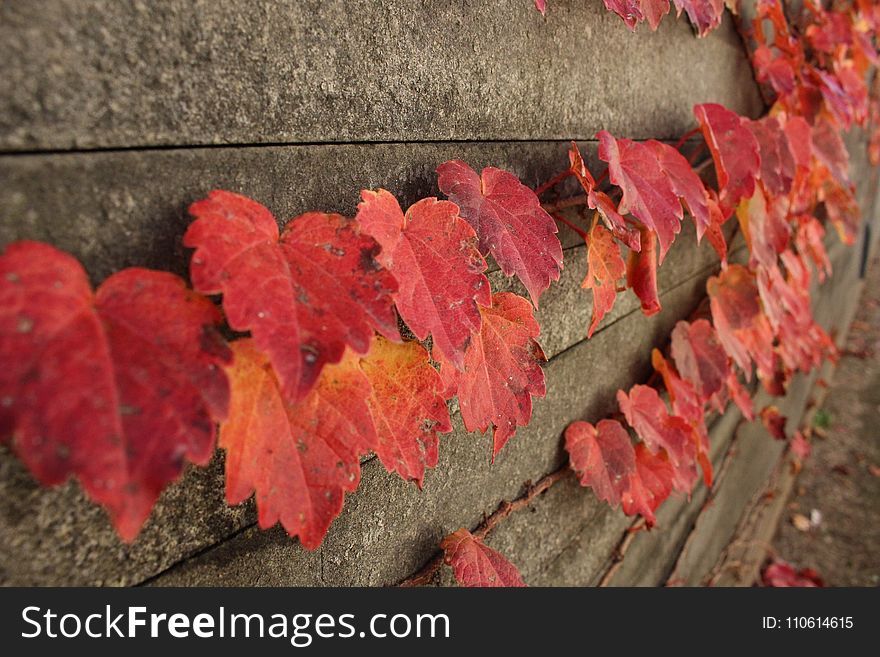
point(90, 74)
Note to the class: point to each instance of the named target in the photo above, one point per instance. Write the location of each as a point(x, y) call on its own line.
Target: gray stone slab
point(86, 74)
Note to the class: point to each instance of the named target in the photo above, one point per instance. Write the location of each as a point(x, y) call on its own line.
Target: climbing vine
point(354, 333)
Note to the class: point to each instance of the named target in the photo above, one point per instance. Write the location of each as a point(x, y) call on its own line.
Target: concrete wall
point(115, 116)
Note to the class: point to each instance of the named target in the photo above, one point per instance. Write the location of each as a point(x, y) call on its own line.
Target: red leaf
point(704, 14)
point(800, 141)
point(300, 458)
point(641, 273)
point(118, 388)
point(777, 70)
point(774, 422)
point(407, 406)
point(476, 564)
point(649, 485)
point(740, 396)
point(629, 10)
point(701, 359)
point(687, 405)
point(605, 267)
point(303, 295)
point(509, 221)
point(843, 210)
point(432, 253)
point(800, 447)
point(685, 183)
point(602, 456)
point(765, 228)
point(714, 233)
point(654, 10)
point(602, 202)
point(829, 149)
point(541, 5)
point(647, 191)
point(734, 150)
point(810, 241)
point(740, 321)
point(782, 574)
point(502, 370)
point(647, 414)
point(777, 161)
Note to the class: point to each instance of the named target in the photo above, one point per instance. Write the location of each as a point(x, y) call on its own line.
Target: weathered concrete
point(90, 74)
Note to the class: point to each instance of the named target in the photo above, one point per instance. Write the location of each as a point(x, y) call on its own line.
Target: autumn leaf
point(407, 405)
point(843, 210)
point(777, 161)
point(647, 192)
point(299, 458)
point(829, 149)
point(629, 10)
point(641, 273)
point(118, 388)
point(773, 421)
point(734, 150)
point(601, 202)
point(605, 267)
point(685, 183)
point(509, 221)
point(765, 227)
point(476, 564)
point(502, 370)
point(602, 456)
point(432, 253)
point(541, 5)
point(782, 574)
point(800, 446)
point(810, 242)
point(705, 15)
point(646, 413)
point(649, 485)
point(740, 396)
point(739, 319)
point(304, 295)
point(700, 359)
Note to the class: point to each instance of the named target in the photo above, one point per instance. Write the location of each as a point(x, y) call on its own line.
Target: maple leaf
point(118, 388)
point(740, 396)
point(649, 485)
point(300, 458)
point(739, 320)
point(432, 253)
point(509, 221)
point(800, 446)
point(829, 149)
point(773, 421)
point(714, 233)
point(701, 360)
point(734, 150)
point(782, 574)
point(704, 14)
point(647, 414)
point(641, 273)
point(602, 456)
point(629, 10)
point(601, 202)
point(687, 405)
point(685, 183)
point(766, 230)
point(502, 370)
point(647, 192)
point(304, 294)
point(605, 267)
point(843, 210)
point(476, 564)
point(777, 161)
point(407, 406)
point(810, 241)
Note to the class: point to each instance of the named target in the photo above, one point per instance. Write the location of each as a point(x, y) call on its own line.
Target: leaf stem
point(572, 202)
point(555, 180)
point(685, 137)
